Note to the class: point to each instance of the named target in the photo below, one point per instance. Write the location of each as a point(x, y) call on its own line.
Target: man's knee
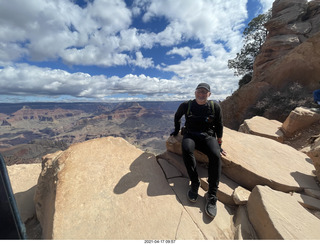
point(214, 159)
point(214, 155)
point(187, 145)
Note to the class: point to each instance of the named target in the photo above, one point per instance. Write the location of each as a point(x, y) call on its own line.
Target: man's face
point(202, 95)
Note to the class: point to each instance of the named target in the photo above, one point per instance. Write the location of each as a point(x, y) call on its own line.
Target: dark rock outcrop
point(290, 54)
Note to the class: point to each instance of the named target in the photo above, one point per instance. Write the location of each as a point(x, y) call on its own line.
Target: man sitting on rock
point(202, 131)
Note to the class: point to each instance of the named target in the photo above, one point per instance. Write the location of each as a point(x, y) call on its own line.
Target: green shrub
point(278, 104)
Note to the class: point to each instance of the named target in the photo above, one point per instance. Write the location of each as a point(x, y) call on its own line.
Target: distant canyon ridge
point(31, 130)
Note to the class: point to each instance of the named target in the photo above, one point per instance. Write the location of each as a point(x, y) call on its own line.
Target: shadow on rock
point(144, 169)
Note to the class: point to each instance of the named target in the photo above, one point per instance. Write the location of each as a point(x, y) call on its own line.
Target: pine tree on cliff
point(254, 36)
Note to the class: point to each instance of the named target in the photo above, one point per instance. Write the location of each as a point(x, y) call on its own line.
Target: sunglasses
point(202, 91)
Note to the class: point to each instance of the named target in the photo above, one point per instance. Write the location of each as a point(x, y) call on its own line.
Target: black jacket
point(200, 118)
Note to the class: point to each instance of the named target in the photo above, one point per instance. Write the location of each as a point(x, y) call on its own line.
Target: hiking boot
point(193, 192)
point(211, 206)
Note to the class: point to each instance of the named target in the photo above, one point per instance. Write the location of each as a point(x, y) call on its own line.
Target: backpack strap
point(189, 107)
point(212, 106)
point(210, 103)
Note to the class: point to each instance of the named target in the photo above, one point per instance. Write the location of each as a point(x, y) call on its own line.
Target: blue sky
point(115, 50)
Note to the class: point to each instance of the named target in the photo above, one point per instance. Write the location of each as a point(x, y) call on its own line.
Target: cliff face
point(26, 113)
point(291, 54)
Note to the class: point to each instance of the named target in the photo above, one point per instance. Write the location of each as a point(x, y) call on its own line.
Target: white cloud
point(25, 79)
point(207, 21)
point(101, 34)
point(212, 70)
point(50, 29)
point(185, 52)
point(141, 61)
point(266, 5)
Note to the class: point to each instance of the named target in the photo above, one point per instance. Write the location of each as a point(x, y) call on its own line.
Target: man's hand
point(222, 152)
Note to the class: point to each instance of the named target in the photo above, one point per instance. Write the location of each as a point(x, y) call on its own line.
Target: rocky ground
point(302, 139)
point(251, 162)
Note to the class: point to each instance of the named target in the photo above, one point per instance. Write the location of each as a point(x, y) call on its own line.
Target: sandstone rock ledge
point(108, 189)
point(260, 176)
point(276, 215)
point(254, 160)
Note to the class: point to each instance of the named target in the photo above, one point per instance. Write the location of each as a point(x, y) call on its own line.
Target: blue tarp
point(316, 96)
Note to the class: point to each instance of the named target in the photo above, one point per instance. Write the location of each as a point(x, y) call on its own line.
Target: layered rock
point(261, 126)
point(291, 53)
point(292, 24)
point(108, 189)
point(243, 227)
point(299, 119)
point(24, 179)
point(5, 123)
point(124, 111)
point(27, 113)
point(313, 151)
point(84, 191)
point(277, 215)
point(253, 160)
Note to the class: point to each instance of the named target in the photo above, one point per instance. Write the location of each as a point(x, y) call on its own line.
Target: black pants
point(209, 146)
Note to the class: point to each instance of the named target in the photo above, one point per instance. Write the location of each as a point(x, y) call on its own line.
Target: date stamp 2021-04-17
point(159, 241)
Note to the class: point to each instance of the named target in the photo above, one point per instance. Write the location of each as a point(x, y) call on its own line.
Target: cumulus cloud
point(24, 79)
point(104, 33)
point(266, 5)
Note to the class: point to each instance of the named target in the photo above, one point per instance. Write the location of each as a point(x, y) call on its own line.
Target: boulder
point(300, 118)
point(108, 189)
point(277, 215)
point(241, 195)
point(314, 153)
point(261, 126)
point(243, 227)
point(253, 160)
point(23, 178)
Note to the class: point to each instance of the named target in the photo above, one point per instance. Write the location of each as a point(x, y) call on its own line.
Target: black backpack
point(211, 105)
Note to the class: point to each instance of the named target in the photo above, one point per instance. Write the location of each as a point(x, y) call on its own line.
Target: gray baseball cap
point(204, 85)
